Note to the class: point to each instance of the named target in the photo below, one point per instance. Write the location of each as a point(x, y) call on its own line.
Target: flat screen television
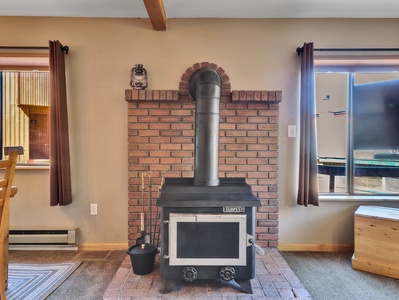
point(376, 116)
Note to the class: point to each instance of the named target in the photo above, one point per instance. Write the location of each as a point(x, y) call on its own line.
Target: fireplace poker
point(144, 235)
point(157, 216)
point(149, 205)
point(142, 203)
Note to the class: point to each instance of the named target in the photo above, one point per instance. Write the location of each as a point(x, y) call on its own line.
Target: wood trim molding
point(156, 12)
point(110, 246)
point(317, 247)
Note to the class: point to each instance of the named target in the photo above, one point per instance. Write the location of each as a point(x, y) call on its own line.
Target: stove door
point(207, 239)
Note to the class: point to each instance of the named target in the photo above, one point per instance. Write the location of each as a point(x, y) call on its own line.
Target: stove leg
point(168, 286)
point(245, 286)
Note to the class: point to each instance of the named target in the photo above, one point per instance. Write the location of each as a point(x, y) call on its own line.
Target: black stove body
point(207, 232)
point(207, 223)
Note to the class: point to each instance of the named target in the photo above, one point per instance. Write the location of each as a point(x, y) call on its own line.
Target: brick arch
point(185, 78)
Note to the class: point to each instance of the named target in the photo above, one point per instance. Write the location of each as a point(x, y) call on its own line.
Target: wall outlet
point(93, 209)
point(291, 130)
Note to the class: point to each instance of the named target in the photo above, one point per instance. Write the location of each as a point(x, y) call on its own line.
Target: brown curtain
point(60, 173)
point(307, 185)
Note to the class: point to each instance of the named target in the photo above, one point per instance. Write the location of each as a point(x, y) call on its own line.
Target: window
point(24, 106)
point(357, 107)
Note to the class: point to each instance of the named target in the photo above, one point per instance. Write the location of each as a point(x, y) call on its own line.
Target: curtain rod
point(300, 49)
point(63, 48)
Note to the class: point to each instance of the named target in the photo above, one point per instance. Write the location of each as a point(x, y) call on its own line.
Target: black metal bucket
point(142, 258)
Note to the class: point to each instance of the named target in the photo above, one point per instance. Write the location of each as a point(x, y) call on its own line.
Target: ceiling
point(205, 8)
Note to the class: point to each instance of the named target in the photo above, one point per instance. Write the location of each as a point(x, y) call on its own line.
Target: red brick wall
point(161, 138)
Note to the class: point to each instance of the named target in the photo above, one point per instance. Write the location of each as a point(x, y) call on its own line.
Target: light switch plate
point(93, 209)
point(291, 130)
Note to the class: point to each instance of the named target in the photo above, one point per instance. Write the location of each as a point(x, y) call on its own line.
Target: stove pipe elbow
point(205, 89)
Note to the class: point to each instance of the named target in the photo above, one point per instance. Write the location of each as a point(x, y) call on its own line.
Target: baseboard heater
point(43, 239)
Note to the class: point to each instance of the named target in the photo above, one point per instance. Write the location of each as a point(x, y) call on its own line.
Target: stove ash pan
point(207, 232)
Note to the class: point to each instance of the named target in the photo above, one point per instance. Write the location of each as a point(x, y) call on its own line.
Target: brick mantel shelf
point(161, 138)
point(175, 95)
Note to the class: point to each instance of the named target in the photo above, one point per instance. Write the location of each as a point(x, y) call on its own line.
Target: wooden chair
point(6, 192)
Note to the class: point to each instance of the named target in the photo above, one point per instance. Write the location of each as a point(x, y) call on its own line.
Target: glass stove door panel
point(207, 239)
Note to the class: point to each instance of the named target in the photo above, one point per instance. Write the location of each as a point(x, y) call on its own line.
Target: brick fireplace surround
point(161, 138)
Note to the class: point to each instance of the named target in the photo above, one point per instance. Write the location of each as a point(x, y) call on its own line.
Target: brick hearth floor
point(274, 280)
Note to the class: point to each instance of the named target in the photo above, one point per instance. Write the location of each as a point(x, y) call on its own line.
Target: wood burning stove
point(207, 223)
point(207, 232)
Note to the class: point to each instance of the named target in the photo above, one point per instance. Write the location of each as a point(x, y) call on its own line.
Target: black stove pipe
point(205, 89)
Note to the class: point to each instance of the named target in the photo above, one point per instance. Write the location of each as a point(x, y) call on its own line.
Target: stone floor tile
point(301, 292)
point(214, 297)
point(274, 281)
point(130, 285)
point(271, 292)
point(292, 279)
point(144, 284)
point(273, 278)
point(297, 285)
point(286, 293)
point(129, 292)
point(122, 272)
point(244, 297)
point(258, 293)
point(115, 285)
point(111, 294)
point(256, 283)
point(273, 269)
point(282, 285)
point(169, 297)
point(288, 273)
point(229, 296)
point(153, 297)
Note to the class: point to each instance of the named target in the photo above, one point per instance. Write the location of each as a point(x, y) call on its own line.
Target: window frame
point(23, 60)
point(351, 64)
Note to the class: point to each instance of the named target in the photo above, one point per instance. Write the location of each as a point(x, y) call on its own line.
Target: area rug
point(36, 281)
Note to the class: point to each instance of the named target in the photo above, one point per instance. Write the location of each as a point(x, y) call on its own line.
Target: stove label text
point(233, 209)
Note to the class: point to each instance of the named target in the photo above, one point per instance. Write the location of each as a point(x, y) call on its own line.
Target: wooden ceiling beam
point(156, 12)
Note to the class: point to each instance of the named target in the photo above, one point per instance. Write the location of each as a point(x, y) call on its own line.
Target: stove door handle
point(250, 241)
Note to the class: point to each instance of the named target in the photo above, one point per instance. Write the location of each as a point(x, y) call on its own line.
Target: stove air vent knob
point(189, 274)
point(227, 273)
